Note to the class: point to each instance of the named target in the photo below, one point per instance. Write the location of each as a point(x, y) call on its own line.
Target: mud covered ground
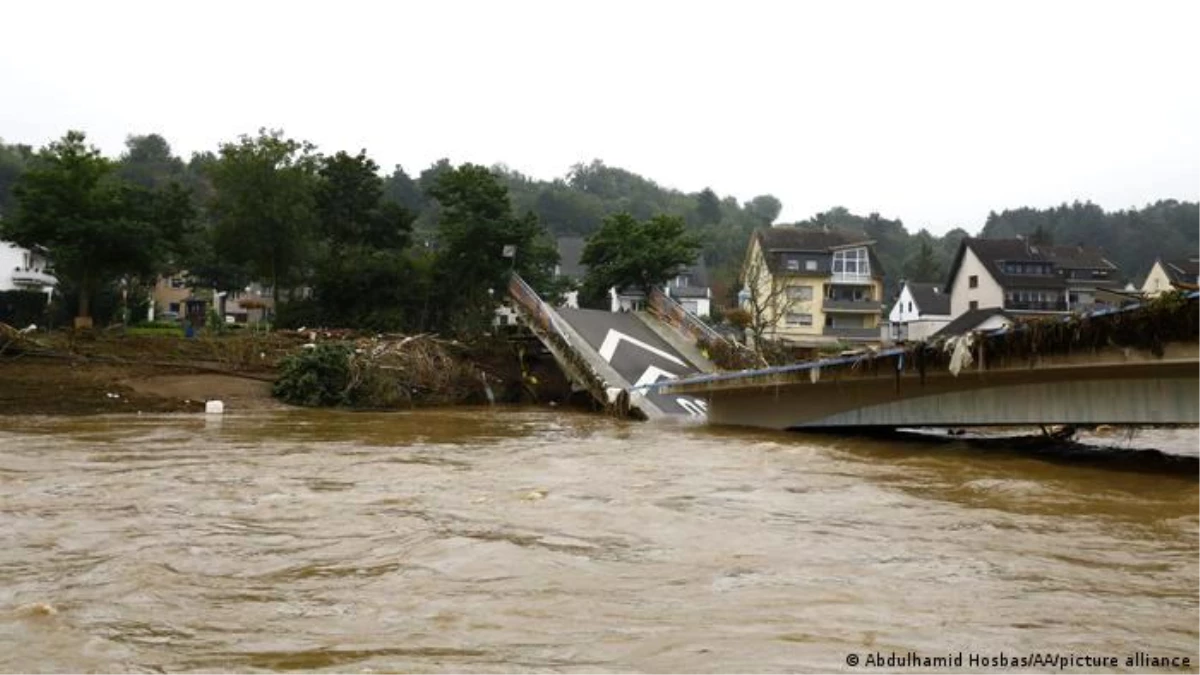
point(60, 374)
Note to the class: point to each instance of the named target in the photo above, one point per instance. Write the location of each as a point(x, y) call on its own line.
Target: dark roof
point(929, 298)
point(698, 272)
point(570, 250)
point(799, 239)
point(1182, 271)
point(784, 243)
point(688, 291)
point(970, 321)
point(992, 252)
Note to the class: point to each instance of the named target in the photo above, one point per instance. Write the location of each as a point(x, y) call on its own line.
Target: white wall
point(900, 312)
point(988, 294)
point(916, 325)
point(11, 257)
point(1157, 281)
point(699, 306)
point(922, 329)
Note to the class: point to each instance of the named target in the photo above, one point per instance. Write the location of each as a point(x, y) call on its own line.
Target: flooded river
point(474, 540)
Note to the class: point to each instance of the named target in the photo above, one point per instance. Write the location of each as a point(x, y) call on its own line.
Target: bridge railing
point(544, 322)
point(670, 311)
point(536, 309)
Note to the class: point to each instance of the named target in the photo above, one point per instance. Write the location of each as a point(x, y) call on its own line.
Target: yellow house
point(812, 288)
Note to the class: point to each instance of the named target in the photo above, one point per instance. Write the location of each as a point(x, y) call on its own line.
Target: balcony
point(1054, 306)
point(853, 334)
point(31, 278)
point(869, 306)
point(850, 278)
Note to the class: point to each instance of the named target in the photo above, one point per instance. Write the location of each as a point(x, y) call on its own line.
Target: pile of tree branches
point(379, 373)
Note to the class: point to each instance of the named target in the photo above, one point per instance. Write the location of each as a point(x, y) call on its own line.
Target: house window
point(177, 282)
point(973, 281)
point(910, 306)
point(798, 319)
point(810, 265)
point(793, 265)
point(800, 293)
point(173, 307)
point(852, 262)
point(974, 304)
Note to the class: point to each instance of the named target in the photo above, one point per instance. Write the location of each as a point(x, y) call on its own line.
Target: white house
point(690, 288)
point(921, 310)
point(1021, 277)
point(1168, 275)
point(23, 269)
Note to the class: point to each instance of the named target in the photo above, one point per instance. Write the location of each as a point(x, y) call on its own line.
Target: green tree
point(364, 279)
point(924, 264)
point(350, 206)
point(642, 254)
point(764, 208)
point(13, 160)
point(708, 207)
point(264, 205)
point(148, 162)
point(94, 226)
point(400, 188)
point(477, 224)
point(1041, 236)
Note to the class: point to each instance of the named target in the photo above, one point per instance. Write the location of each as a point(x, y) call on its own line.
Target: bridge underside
point(1136, 393)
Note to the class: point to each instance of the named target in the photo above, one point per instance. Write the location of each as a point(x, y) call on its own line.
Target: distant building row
point(811, 288)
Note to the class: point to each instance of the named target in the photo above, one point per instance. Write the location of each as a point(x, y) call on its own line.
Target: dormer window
point(793, 265)
point(810, 265)
point(852, 262)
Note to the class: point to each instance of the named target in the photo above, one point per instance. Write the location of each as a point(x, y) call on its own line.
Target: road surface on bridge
point(637, 354)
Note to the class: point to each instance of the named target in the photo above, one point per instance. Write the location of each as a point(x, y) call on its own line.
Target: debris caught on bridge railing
point(960, 352)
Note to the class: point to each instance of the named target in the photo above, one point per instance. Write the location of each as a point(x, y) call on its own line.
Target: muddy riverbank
point(62, 375)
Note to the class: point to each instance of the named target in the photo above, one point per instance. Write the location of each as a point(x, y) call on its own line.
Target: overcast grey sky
point(931, 112)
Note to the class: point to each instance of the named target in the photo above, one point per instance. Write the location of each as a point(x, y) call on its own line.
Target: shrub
point(316, 377)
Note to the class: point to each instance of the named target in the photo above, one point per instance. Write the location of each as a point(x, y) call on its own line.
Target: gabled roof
point(970, 320)
point(1182, 272)
point(930, 298)
point(779, 244)
point(993, 252)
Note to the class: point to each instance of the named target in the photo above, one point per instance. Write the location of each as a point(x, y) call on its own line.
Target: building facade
point(812, 288)
point(22, 269)
point(1167, 275)
point(1024, 278)
point(921, 310)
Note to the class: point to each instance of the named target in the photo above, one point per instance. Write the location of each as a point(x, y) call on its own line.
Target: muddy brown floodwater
point(480, 540)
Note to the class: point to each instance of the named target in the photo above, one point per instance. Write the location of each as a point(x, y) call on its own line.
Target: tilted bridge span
point(1136, 365)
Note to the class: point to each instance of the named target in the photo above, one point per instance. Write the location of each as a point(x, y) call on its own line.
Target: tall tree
point(13, 160)
point(476, 229)
point(264, 205)
point(923, 265)
point(94, 226)
point(708, 207)
point(148, 162)
point(629, 252)
point(400, 188)
point(765, 208)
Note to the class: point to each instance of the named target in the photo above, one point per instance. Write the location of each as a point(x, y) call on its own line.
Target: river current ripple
point(512, 540)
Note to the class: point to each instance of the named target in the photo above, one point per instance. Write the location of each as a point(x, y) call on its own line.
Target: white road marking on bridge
point(654, 374)
point(695, 407)
point(614, 337)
